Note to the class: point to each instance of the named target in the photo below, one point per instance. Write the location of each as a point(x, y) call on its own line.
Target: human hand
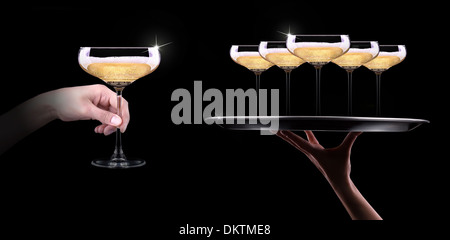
point(333, 163)
point(89, 102)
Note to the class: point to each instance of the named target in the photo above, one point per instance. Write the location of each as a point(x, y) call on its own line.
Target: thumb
point(105, 117)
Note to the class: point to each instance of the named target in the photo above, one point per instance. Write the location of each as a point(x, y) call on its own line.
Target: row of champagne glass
point(319, 50)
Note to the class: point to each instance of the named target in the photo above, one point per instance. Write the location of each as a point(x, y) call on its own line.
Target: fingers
point(288, 140)
point(106, 117)
point(311, 138)
point(350, 139)
point(296, 141)
point(105, 129)
point(125, 115)
point(107, 100)
point(108, 127)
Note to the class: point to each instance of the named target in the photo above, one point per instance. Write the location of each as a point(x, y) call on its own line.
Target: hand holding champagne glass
point(119, 67)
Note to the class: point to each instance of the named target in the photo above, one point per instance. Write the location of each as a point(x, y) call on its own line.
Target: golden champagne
point(318, 55)
point(119, 74)
point(254, 63)
point(285, 60)
point(382, 63)
point(352, 60)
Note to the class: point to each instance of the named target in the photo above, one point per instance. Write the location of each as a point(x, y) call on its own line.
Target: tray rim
point(339, 118)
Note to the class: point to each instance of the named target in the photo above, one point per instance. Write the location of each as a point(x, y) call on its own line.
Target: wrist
point(356, 205)
point(43, 107)
point(342, 183)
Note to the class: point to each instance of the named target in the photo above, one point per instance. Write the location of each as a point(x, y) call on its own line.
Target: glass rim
point(363, 41)
point(245, 45)
point(318, 35)
point(120, 47)
point(275, 41)
point(393, 45)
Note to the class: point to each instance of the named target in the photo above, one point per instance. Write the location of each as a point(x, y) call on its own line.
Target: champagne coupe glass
point(389, 55)
point(277, 53)
point(119, 67)
point(360, 52)
point(318, 50)
point(248, 56)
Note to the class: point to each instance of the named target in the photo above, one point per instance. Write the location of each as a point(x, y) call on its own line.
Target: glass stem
point(378, 105)
point(318, 107)
point(118, 152)
point(350, 94)
point(258, 80)
point(288, 92)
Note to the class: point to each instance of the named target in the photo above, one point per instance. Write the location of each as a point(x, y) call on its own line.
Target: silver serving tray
point(319, 123)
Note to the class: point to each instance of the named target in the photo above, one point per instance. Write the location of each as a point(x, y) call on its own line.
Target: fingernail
point(116, 120)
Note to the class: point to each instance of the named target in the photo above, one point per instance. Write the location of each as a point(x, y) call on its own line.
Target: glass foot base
point(118, 163)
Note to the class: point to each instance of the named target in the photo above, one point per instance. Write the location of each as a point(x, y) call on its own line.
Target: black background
point(204, 175)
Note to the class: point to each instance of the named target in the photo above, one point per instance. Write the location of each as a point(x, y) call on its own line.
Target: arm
point(68, 104)
point(23, 120)
point(334, 164)
point(356, 205)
